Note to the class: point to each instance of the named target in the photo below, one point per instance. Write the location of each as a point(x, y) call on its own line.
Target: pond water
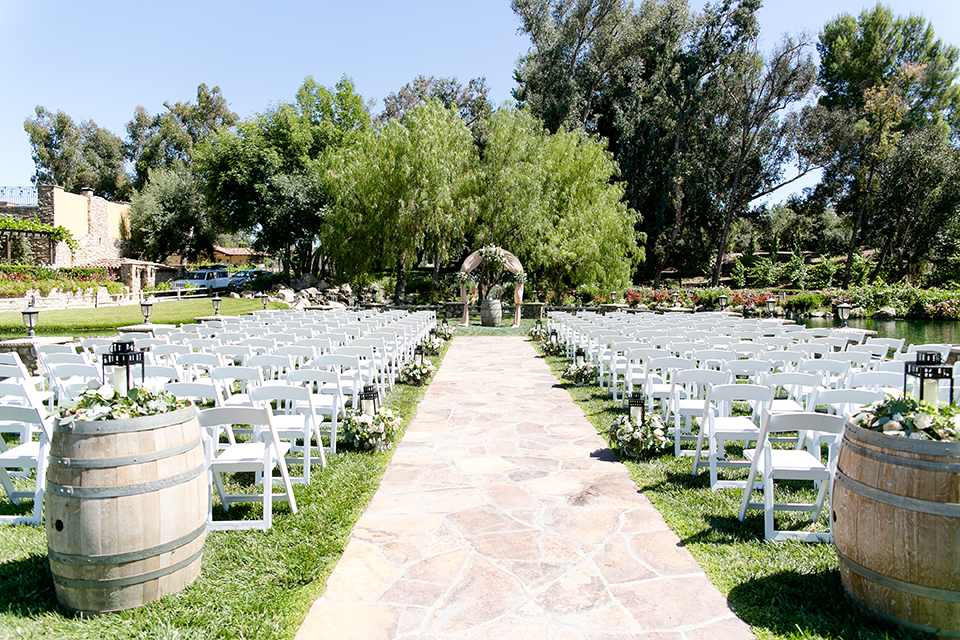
point(913, 331)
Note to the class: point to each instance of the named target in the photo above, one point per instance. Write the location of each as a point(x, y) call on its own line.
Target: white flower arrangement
point(581, 374)
point(433, 346)
point(371, 433)
point(445, 332)
point(416, 373)
point(640, 440)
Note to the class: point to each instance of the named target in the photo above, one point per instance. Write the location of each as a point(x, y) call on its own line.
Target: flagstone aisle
point(504, 515)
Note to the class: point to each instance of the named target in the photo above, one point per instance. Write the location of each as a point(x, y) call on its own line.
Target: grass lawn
point(88, 322)
point(783, 590)
point(255, 585)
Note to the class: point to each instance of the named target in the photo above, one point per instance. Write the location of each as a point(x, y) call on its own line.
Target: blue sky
point(98, 59)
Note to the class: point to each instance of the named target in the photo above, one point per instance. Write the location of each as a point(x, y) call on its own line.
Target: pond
point(913, 331)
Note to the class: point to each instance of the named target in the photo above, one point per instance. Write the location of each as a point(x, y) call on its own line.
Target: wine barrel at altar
point(896, 511)
point(490, 313)
point(126, 509)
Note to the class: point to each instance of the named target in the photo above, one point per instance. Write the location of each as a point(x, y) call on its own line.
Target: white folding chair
point(31, 454)
point(294, 418)
point(688, 388)
point(718, 425)
point(259, 456)
point(327, 400)
point(768, 464)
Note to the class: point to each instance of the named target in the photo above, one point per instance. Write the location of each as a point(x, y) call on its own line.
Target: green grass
point(86, 322)
point(506, 328)
point(253, 584)
point(783, 590)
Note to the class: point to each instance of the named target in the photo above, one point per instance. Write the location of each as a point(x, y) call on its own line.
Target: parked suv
point(241, 278)
point(205, 280)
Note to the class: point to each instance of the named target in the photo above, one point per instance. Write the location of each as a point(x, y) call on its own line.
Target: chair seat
point(691, 407)
point(785, 405)
point(246, 453)
point(26, 452)
point(789, 461)
point(735, 425)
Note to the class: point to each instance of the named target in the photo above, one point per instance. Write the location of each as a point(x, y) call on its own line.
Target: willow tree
point(404, 188)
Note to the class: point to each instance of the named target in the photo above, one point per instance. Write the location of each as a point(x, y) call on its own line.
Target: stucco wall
point(70, 211)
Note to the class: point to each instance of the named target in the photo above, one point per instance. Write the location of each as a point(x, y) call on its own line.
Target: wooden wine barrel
point(126, 510)
point(896, 511)
point(490, 313)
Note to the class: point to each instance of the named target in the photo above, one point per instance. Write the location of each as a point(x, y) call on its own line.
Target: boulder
point(885, 313)
point(817, 314)
point(286, 295)
point(323, 285)
point(377, 293)
point(234, 294)
point(346, 289)
point(337, 305)
point(311, 291)
point(297, 285)
point(309, 280)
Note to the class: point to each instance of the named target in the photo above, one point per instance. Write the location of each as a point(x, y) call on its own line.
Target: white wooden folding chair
point(688, 388)
point(768, 464)
point(294, 418)
point(31, 454)
point(719, 425)
point(259, 456)
point(327, 400)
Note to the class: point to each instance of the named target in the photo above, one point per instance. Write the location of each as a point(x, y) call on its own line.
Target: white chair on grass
point(295, 419)
point(259, 456)
point(719, 425)
point(768, 464)
point(31, 454)
point(688, 389)
point(327, 401)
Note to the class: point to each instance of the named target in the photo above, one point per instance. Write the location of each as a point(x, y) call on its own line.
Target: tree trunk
point(436, 270)
point(855, 234)
point(400, 289)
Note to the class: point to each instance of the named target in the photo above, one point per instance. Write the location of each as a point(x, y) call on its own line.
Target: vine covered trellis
point(17, 227)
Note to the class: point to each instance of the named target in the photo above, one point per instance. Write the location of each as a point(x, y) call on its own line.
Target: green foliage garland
point(58, 233)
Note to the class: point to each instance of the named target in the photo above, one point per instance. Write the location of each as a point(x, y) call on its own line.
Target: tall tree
point(755, 94)
point(406, 187)
point(167, 216)
point(77, 157)
point(266, 177)
point(888, 75)
point(470, 102)
point(167, 139)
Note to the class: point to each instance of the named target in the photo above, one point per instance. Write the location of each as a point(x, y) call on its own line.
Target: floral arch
point(505, 261)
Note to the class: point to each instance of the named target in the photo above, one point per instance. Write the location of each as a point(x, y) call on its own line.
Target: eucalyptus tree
point(761, 132)
point(77, 156)
point(471, 102)
point(167, 139)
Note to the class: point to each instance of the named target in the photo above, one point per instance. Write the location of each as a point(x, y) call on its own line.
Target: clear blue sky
point(98, 59)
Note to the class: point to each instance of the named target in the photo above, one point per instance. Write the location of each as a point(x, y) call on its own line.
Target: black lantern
point(638, 407)
point(216, 305)
point(444, 323)
point(123, 353)
point(433, 333)
point(723, 301)
point(843, 310)
point(579, 356)
point(771, 305)
point(929, 370)
point(554, 336)
point(146, 306)
point(539, 324)
point(30, 318)
point(370, 399)
point(263, 298)
point(419, 351)
point(676, 297)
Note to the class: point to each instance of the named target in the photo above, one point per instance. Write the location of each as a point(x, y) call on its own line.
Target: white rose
point(893, 425)
point(106, 392)
point(923, 420)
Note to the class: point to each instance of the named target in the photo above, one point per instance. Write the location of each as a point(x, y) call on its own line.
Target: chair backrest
point(62, 358)
point(847, 401)
point(875, 380)
point(11, 413)
point(49, 349)
point(194, 390)
point(223, 418)
point(274, 366)
point(288, 396)
point(892, 344)
point(225, 377)
point(753, 369)
point(696, 381)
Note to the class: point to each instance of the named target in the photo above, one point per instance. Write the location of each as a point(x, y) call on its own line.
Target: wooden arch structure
point(512, 265)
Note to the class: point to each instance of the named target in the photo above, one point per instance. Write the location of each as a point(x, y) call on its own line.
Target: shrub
point(765, 272)
point(805, 302)
point(795, 272)
point(739, 274)
point(820, 275)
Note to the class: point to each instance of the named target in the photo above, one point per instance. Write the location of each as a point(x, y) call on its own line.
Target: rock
point(311, 291)
point(346, 289)
point(300, 305)
point(297, 285)
point(377, 293)
point(817, 314)
point(286, 295)
point(248, 294)
point(337, 305)
point(234, 294)
point(885, 313)
point(323, 285)
point(308, 280)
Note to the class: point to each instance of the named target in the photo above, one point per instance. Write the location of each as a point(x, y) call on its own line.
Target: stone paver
point(504, 515)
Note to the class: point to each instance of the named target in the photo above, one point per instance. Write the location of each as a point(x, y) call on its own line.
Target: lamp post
point(843, 310)
point(146, 306)
point(216, 305)
point(30, 318)
point(676, 297)
point(723, 301)
point(263, 298)
point(771, 305)
point(613, 297)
